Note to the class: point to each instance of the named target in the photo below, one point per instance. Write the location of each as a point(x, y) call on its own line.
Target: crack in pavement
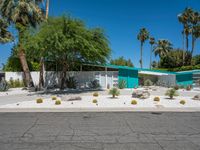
point(35, 122)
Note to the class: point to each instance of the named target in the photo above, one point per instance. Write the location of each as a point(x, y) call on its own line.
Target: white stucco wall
point(83, 77)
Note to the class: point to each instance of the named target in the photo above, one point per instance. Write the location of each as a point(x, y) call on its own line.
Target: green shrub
point(171, 93)
point(134, 102)
point(95, 94)
point(39, 100)
point(15, 83)
point(4, 86)
point(122, 84)
point(157, 99)
point(71, 83)
point(176, 87)
point(58, 102)
point(114, 92)
point(94, 84)
point(182, 102)
point(54, 98)
point(148, 82)
point(94, 101)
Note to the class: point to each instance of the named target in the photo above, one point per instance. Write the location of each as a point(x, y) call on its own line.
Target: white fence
point(83, 77)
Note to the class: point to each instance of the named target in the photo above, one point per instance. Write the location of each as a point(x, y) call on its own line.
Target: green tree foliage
point(174, 58)
point(121, 61)
point(5, 35)
point(196, 60)
point(162, 48)
point(67, 42)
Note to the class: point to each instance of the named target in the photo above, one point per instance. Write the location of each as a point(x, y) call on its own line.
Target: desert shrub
point(182, 102)
point(122, 84)
point(189, 87)
point(134, 102)
point(95, 94)
point(176, 87)
point(15, 83)
point(71, 83)
point(94, 84)
point(94, 101)
point(171, 93)
point(57, 102)
point(157, 99)
point(39, 100)
point(114, 92)
point(54, 98)
point(4, 86)
point(148, 82)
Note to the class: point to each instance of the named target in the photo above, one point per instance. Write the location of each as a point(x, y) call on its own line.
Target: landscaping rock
point(77, 98)
point(196, 97)
point(141, 94)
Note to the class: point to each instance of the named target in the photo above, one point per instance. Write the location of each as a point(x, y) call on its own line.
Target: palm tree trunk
point(187, 42)
point(23, 61)
point(193, 44)
point(141, 53)
point(150, 58)
point(41, 79)
point(47, 9)
point(27, 74)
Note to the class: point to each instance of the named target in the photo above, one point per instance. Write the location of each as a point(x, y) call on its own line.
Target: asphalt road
point(99, 131)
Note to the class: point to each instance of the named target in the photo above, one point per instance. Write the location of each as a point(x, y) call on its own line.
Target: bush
point(94, 84)
point(182, 102)
point(58, 102)
point(114, 92)
point(95, 94)
point(71, 83)
point(39, 100)
point(134, 102)
point(3, 85)
point(171, 93)
point(15, 83)
point(189, 87)
point(157, 99)
point(94, 101)
point(148, 82)
point(176, 87)
point(122, 84)
point(54, 98)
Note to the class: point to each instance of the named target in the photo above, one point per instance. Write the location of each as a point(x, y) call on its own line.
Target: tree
point(121, 61)
point(162, 47)
point(142, 37)
point(23, 14)
point(195, 35)
point(67, 42)
point(5, 35)
point(151, 42)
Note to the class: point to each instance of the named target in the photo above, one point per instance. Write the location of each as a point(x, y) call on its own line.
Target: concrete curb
point(100, 110)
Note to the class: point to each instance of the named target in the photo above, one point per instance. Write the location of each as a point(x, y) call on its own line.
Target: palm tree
point(23, 14)
point(142, 36)
point(151, 42)
point(5, 35)
point(196, 35)
point(195, 19)
point(162, 48)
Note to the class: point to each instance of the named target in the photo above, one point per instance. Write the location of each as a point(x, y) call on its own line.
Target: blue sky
point(122, 19)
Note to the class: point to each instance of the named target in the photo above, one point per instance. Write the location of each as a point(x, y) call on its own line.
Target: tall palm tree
point(151, 42)
point(23, 14)
point(162, 48)
point(142, 36)
point(195, 20)
point(5, 35)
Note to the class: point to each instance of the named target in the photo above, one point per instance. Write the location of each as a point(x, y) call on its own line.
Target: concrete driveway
point(100, 131)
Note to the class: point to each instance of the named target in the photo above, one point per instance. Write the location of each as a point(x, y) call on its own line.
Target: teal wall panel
point(184, 79)
point(130, 77)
